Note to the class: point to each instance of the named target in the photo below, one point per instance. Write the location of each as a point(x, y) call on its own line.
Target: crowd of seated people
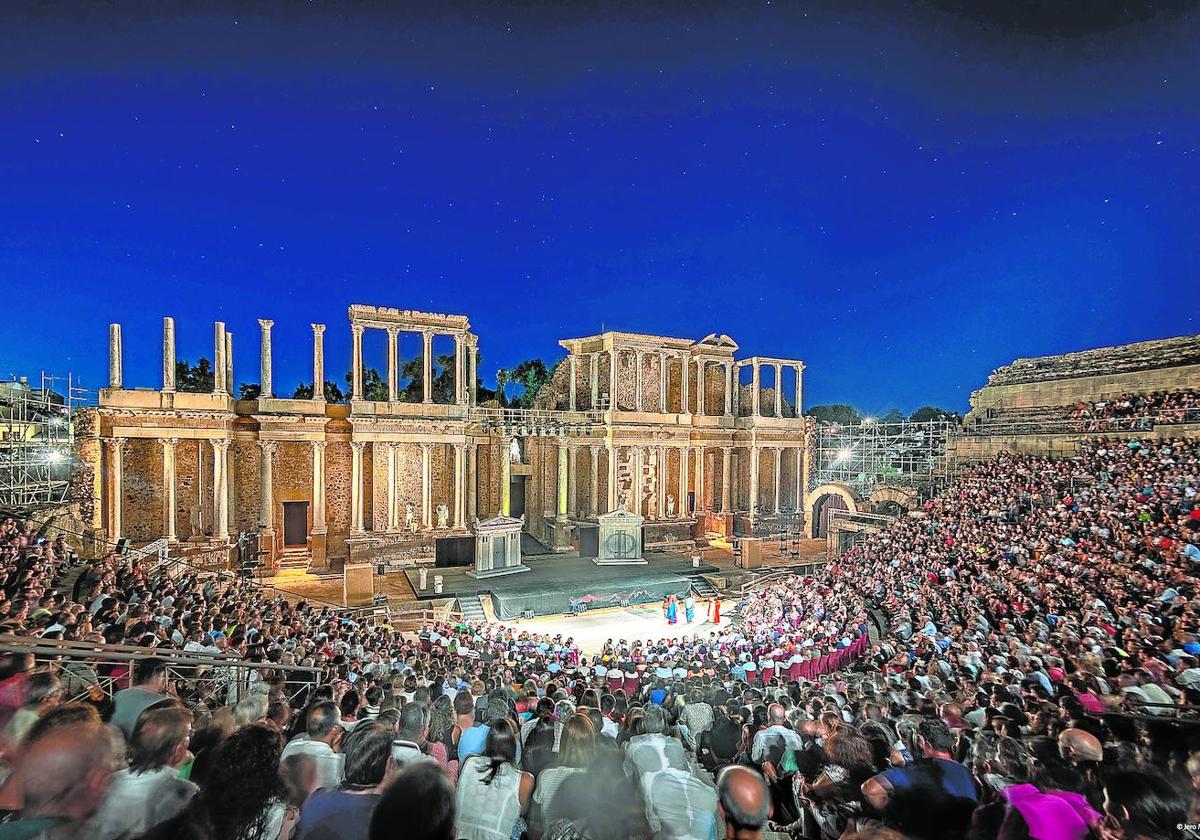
point(1123, 413)
point(1043, 640)
point(1162, 406)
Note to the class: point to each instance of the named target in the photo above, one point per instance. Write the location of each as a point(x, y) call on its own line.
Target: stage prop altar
point(498, 547)
point(620, 539)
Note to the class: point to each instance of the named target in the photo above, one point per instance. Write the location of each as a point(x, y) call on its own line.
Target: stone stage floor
point(591, 629)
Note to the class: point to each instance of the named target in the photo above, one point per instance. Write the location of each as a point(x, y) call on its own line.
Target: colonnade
point(466, 361)
point(465, 499)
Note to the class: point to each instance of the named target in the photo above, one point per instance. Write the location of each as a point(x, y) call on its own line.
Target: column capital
point(427, 446)
point(358, 446)
point(268, 446)
point(459, 447)
point(266, 323)
point(319, 329)
point(356, 330)
point(318, 446)
point(168, 443)
point(114, 444)
point(221, 444)
point(392, 330)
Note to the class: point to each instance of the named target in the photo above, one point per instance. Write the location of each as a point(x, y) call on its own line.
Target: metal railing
point(1083, 425)
point(537, 422)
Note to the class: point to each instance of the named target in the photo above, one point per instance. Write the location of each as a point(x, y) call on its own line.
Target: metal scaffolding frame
point(37, 435)
point(865, 455)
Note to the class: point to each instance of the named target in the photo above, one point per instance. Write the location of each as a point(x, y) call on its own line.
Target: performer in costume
point(672, 609)
point(716, 610)
point(689, 608)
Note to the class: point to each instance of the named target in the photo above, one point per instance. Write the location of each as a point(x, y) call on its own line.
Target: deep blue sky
point(903, 197)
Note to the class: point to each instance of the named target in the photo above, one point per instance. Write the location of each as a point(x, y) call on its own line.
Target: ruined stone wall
point(626, 388)
point(293, 480)
point(370, 522)
point(245, 486)
point(1140, 357)
point(142, 514)
point(1084, 388)
point(376, 454)
point(338, 486)
point(189, 457)
point(86, 490)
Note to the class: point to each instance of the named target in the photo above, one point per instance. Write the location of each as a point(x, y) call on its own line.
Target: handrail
point(131, 653)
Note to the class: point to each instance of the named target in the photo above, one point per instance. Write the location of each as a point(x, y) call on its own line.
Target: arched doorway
point(822, 501)
point(822, 509)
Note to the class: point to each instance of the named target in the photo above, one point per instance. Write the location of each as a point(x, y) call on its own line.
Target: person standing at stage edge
point(689, 608)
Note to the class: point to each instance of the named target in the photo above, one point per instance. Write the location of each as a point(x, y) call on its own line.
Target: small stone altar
point(620, 539)
point(498, 547)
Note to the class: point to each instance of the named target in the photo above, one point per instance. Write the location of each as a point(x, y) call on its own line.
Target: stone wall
point(337, 497)
point(141, 514)
point(1083, 389)
point(293, 481)
point(244, 485)
point(1103, 361)
point(86, 492)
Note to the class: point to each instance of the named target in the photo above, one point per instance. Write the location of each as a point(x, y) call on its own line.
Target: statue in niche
point(443, 516)
point(670, 506)
point(514, 451)
point(410, 520)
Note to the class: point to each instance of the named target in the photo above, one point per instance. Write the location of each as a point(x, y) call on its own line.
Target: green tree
point(501, 385)
point(893, 415)
point(374, 386)
point(840, 413)
point(196, 379)
point(532, 375)
point(929, 412)
point(249, 391)
point(333, 393)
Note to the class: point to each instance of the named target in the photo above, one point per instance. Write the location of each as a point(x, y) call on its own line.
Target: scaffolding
point(36, 442)
point(867, 454)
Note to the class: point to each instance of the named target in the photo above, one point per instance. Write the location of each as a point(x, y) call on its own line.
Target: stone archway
point(821, 501)
point(893, 500)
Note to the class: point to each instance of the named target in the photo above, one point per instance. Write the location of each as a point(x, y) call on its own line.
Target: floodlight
point(845, 454)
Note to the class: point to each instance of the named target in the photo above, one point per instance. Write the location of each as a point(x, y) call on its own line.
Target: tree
point(249, 391)
point(501, 382)
point(194, 380)
point(333, 393)
point(894, 415)
point(928, 412)
point(532, 375)
point(840, 413)
point(374, 386)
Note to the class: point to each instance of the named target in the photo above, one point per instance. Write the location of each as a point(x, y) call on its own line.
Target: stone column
point(726, 477)
point(472, 480)
point(664, 381)
point(778, 474)
point(594, 477)
point(460, 475)
point(472, 383)
point(755, 382)
point(115, 361)
point(572, 481)
point(168, 461)
point(264, 358)
point(700, 505)
point(799, 477)
point(637, 457)
point(799, 376)
point(612, 478)
point(612, 379)
point(393, 334)
point(168, 359)
point(427, 485)
point(356, 362)
point(266, 484)
point(728, 389)
point(356, 486)
point(638, 359)
point(116, 485)
point(318, 362)
point(700, 387)
point(220, 383)
point(753, 480)
point(571, 386)
point(460, 367)
point(229, 380)
point(737, 389)
point(778, 389)
point(660, 482)
point(685, 377)
point(393, 502)
point(505, 475)
point(561, 488)
point(220, 450)
point(427, 367)
point(318, 487)
point(594, 362)
point(681, 506)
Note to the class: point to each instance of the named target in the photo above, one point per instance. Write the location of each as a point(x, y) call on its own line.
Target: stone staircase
point(471, 608)
point(702, 587)
point(293, 562)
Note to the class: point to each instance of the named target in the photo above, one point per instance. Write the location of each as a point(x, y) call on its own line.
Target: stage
point(552, 581)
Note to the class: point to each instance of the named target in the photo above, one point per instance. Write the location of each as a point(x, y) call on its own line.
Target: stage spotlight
point(845, 454)
point(55, 457)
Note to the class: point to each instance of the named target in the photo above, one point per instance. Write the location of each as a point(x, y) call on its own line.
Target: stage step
point(471, 608)
point(703, 588)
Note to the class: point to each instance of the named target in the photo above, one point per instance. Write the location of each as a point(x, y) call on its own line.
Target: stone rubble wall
point(1102, 361)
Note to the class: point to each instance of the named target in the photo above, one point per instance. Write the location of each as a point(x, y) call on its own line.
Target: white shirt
point(136, 802)
point(329, 765)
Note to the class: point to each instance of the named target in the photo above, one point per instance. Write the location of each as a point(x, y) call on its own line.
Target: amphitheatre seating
point(1104, 361)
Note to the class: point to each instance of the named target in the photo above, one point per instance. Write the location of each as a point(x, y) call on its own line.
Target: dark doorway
point(516, 496)
point(824, 506)
point(295, 523)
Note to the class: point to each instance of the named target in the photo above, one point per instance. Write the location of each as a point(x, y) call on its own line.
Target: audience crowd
point(1038, 659)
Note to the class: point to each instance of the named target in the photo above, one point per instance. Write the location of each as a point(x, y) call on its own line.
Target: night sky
point(899, 194)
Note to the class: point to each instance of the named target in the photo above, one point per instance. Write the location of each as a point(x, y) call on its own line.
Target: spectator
point(421, 799)
point(322, 735)
point(744, 801)
point(149, 689)
point(344, 812)
point(492, 792)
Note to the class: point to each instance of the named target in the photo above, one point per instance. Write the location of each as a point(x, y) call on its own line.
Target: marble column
point(664, 381)
point(700, 501)
point(681, 505)
point(561, 487)
point(460, 391)
point(700, 387)
point(612, 478)
point(115, 447)
point(427, 485)
point(318, 362)
point(594, 363)
point(266, 484)
point(660, 483)
point(637, 457)
point(472, 383)
point(356, 362)
point(685, 376)
point(220, 450)
point(168, 355)
point(427, 367)
point(460, 480)
point(356, 486)
point(264, 358)
point(778, 475)
point(737, 389)
point(505, 476)
point(612, 379)
point(755, 382)
point(799, 477)
point(753, 479)
point(594, 478)
point(393, 379)
point(220, 383)
point(393, 501)
point(726, 478)
point(778, 389)
point(638, 359)
point(472, 480)
point(572, 481)
point(728, 389)
point(168, 463)
point(318, 487)
point(229, 380)
point(115, 357)
point(571, 385)
point(799, 377)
